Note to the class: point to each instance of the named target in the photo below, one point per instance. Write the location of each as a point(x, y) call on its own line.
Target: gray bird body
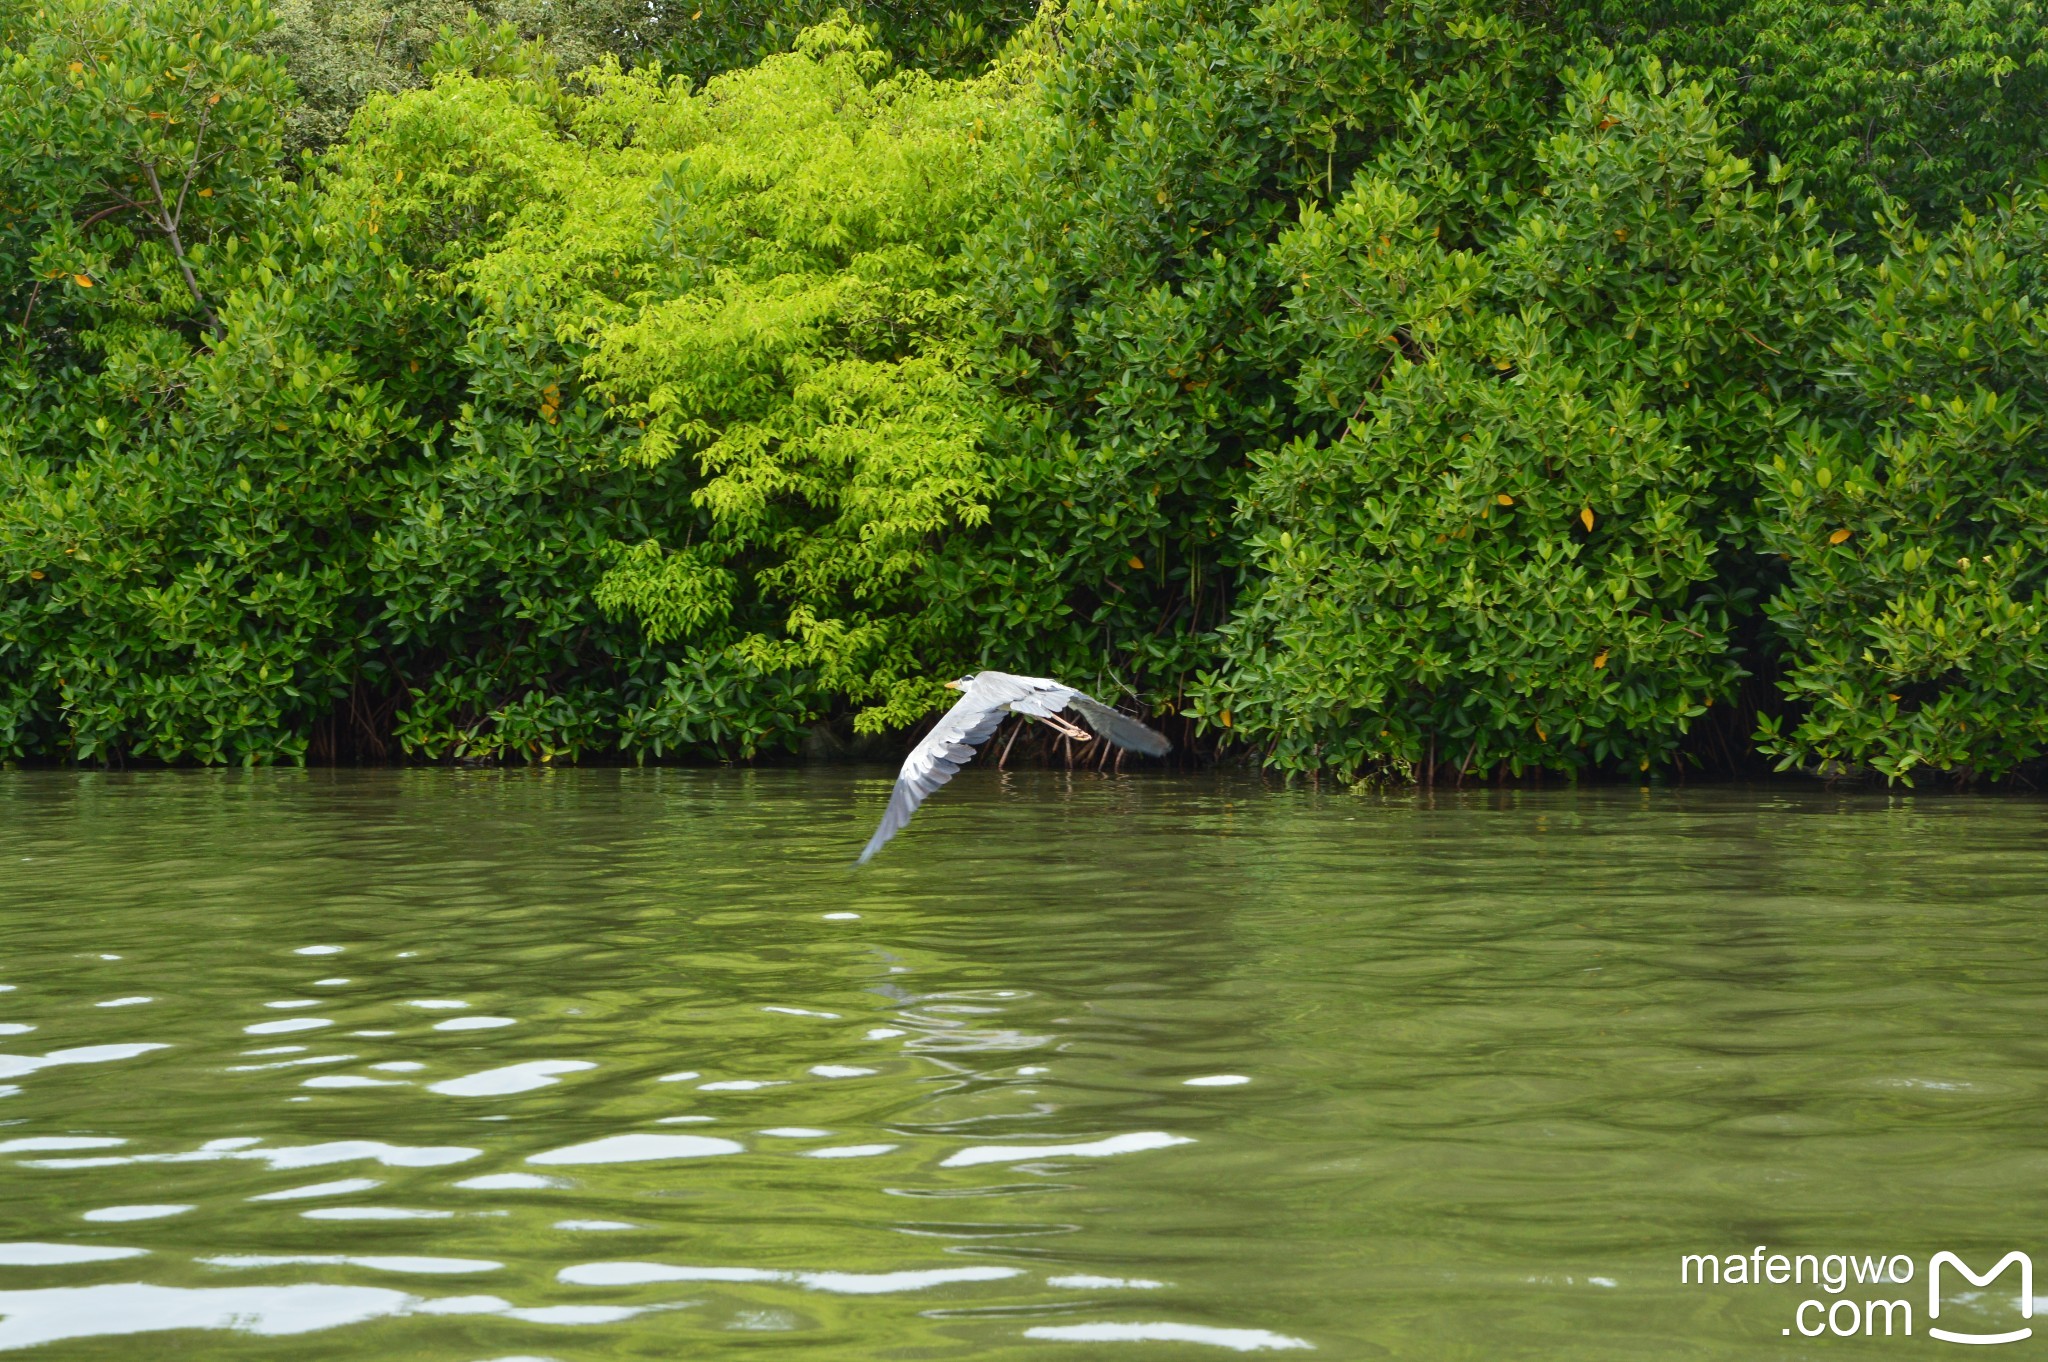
point(986, 699)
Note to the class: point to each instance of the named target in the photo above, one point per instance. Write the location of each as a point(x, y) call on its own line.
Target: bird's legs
point(1069, 730)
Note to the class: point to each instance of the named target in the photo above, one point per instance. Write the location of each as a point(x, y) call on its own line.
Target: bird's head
point(962, 684)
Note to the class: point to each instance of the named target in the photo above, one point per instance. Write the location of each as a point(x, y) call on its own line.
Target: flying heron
point(985, 698)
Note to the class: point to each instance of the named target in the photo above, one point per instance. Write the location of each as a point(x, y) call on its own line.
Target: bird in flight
point(986, 698)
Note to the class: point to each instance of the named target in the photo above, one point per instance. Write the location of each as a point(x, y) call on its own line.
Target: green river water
point(607, 1064)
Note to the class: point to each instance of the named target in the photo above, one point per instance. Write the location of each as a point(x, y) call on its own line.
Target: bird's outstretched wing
point(948, 747)
point(1120, 729)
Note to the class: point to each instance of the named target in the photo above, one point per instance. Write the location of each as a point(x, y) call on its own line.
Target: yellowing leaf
point(35, 576)
point(1504, 499)
point(1586, 518)
point(83, 281)
point(1839, 537)
point(1225, 717)
point(1137, 563)
point(206, 193)
point(77, 67)
point(1600, 659)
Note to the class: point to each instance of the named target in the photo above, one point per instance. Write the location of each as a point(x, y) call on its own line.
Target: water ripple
point(1152, 1065)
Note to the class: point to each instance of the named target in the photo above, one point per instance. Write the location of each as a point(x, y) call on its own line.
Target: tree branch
point(33, 294)
point(192, 166)
point(169, 225)
point(108, 212)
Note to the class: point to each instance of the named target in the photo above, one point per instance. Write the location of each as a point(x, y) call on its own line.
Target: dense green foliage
point(524, 362)
point(783, 338)
point(1427, 390)
point(1916, 522)
point(340, 52)
point(1544, 442)
point(1933, 103)
point(1133, 313)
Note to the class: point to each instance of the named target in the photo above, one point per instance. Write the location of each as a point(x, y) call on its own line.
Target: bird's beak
point(954, 685)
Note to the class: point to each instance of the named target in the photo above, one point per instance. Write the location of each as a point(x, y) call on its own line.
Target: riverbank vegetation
point(1433, 391)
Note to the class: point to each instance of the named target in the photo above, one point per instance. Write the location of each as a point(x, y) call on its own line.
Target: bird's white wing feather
point(948, 747)
point(1035, 695)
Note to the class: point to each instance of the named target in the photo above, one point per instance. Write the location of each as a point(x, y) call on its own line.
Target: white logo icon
point(2026, 1295)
